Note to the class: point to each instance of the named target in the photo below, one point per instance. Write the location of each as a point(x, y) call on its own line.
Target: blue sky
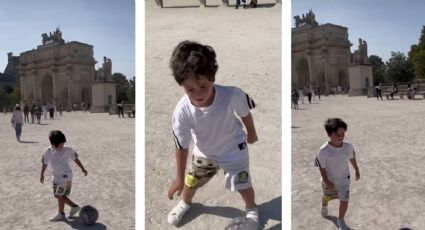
point(108, 25)
point(386, 25)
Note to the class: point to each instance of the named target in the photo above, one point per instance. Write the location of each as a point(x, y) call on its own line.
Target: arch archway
point(303, 75)
point(47, 89)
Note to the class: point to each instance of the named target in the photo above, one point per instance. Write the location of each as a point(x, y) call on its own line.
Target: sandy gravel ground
point(105, 145)
point(388, 139)
point(248, 46)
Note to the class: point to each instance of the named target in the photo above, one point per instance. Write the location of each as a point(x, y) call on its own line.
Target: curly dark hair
point(56, 137)
point(190, 58)
point(333, 124)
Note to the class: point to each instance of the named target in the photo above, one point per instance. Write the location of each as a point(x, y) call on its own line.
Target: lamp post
point(68, 97)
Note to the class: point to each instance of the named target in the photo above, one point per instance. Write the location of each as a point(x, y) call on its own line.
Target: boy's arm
point(43, 168)
point(324, 175)
point(354, 163)
point(78, 162)
point(178, 184)
point(248, 121)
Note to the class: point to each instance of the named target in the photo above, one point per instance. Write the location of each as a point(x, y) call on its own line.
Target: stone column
point(309, 55)
point(68, 85)
point(325, 76)
point(34, 79)
point(54, 71)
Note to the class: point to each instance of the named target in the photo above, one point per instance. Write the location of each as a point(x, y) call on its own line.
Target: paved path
point(388, 137)
point(105, 145)
point(248, 47)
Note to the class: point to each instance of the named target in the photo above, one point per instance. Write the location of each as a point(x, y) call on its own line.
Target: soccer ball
point(88, 214)
point(242, 223)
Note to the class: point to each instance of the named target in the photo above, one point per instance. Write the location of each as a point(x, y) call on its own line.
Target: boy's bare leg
point(343, 205)
point(248, 195)
point(188, 194)
point(68, 201)
point(61, 203)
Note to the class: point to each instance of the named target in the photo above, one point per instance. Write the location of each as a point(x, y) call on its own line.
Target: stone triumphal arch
point(64, 74)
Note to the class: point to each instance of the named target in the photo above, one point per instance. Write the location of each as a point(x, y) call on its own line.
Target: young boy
point(209, 113)
point(59, 156)
point(332, 161)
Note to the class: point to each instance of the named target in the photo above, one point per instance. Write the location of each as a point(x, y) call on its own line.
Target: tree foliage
point(417, 56)
point(399, 69)
point(378, 68)
point(125, 88)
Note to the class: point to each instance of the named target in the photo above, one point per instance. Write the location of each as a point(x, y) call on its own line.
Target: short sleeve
point(351, 153)
point(320, 160)
point(46, 157)
point(72, 154)
point(242, 103)
point(182, 134)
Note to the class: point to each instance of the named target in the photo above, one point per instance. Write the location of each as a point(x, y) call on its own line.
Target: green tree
point(131, 91)
point(417, 56)
point(378, 68)
point(399, 69)
point(122, 86)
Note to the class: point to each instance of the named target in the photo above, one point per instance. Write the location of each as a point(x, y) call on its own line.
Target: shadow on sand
point(333, 219)
point(271, 210)
point(75, 223)
point(28, 142)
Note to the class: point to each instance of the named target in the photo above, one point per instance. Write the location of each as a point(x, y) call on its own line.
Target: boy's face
point(199, 90)
point(337, 137)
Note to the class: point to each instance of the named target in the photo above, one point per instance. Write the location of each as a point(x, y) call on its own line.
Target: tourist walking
point(26, 111)
point(120, 109)
point(17, 121)
point(60, 110)
point(51, 111)
point(378, 90)
point(44, 109)
point(308, 92)
point(32, 111)
point(301, 93)
point(318, 92)
point(38, 112)
point(295, 97)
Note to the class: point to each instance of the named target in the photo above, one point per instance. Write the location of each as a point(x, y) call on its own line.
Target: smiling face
point(336, 138)
point(200, 90)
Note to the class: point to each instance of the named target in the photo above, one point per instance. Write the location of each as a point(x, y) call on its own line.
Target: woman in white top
point(17, 121)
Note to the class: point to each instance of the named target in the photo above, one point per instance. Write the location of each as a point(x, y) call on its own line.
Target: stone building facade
point(320, 57)
point(62, 74)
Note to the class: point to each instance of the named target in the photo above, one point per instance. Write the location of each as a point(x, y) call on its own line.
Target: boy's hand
point(357, 175)
point(84, 172)
point(251, 139)
point(177, 186)
point(42, 178)
point(329, 184)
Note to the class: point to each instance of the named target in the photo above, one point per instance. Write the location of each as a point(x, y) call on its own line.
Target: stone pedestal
point(103, 98)
point(361, 80)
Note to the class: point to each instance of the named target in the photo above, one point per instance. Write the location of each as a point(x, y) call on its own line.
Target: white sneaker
point(73, 211)
point(176, 214)
point(324, 211)
point(342, 225)
point(57, 217)
point(252, 213)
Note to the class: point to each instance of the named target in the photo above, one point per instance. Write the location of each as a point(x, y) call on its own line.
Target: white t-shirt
point(335, 161)
point(59, 162)
point(216, 130)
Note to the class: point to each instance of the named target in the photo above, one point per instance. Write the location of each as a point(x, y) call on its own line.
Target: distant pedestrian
point(301, 93)
point(120, 109)
point(378, 90)
point(51, 111)
point(26, 111)
point(295, 97)
point(44, 109)
point(318, 92)
point(60, 110)
point(17, 121)
point(38, 112)
point(32, 112)
point(308, 92)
